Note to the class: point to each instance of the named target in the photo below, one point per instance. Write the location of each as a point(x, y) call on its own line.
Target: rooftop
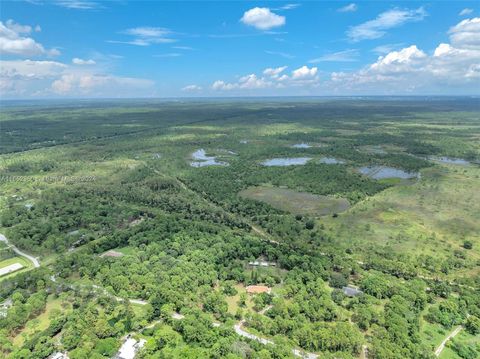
point(350, 291)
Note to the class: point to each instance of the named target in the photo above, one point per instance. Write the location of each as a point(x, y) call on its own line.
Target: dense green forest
point(132, 239)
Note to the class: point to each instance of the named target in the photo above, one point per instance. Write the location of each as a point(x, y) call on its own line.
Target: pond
point(450, 160)
point(202, 159)
point(382, 172)
point(331, 161)
point(301, 145)
point(292, 161)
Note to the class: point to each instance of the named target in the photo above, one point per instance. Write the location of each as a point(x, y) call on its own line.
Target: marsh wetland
point(187, 222)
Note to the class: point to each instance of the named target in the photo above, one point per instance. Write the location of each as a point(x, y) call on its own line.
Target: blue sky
point(61, 48)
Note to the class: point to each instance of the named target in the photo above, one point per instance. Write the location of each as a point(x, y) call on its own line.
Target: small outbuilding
point(58, 355)
point(350, 291)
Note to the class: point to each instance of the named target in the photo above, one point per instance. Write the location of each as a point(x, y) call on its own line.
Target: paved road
point(245, 334)
point(32, 259)
point(118, 299)
point(297, 352)
point(440, 348)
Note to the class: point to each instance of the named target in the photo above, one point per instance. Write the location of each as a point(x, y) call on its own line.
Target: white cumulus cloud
point(192, 88)
point(272, 78)
point(304, 73)
point(14, 40)
point(78, 61)
point(466, 33)
point(28, 78)
point(222, 85)
point(454, 65)
point(96, 84)
point(399, 61)
point(274, 72)
point(262, 18)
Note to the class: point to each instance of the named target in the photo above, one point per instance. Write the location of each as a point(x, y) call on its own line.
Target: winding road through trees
point(35, 261)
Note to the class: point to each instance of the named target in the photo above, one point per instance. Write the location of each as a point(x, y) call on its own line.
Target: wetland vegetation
point(114, 177)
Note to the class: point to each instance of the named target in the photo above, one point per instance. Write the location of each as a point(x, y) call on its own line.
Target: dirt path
point(364, 353)
point(32, 259)
point(440, 348)
point(266, 309)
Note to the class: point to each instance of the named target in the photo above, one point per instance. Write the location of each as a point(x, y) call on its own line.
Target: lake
point(202, 160)
point(382, 172)
point(292, 161)
point(301, 145)
point(450, 160)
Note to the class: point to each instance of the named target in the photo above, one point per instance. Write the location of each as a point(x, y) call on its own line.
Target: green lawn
point(42, 321)
point(432, 334)
point(233, 300)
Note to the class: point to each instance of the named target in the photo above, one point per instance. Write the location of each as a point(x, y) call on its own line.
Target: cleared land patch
point(43, 320)
point(296, 202)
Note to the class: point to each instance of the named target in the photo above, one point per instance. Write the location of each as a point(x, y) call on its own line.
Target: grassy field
point(232, 301)
point(432, 334)
point(433, 216)
point(464, 338)
point(42, 321)
point(296, 202)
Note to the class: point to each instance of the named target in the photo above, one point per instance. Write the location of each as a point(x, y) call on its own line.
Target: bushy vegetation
point(187, 244)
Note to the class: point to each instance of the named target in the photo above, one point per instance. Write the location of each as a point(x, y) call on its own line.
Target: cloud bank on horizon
point(326, 48)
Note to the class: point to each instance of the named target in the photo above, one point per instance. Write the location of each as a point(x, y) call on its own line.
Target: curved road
point(297, 352)
point(32, 259)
